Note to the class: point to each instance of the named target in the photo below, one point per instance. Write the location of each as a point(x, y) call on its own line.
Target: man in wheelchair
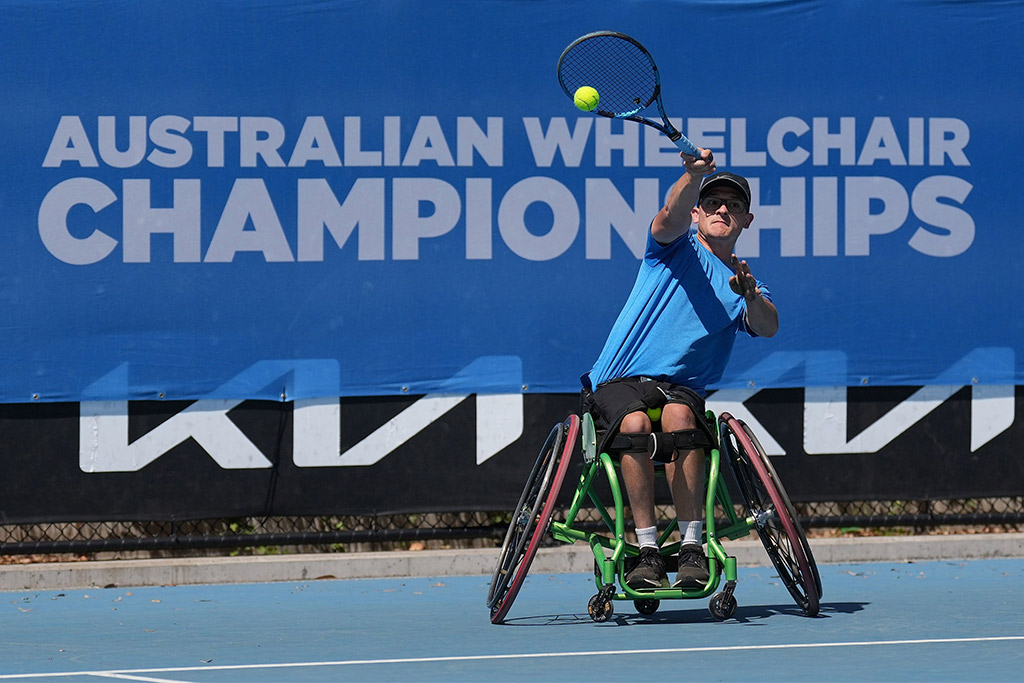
point(671, 340)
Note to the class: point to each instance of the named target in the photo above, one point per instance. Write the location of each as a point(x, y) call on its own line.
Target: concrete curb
point(576, 558)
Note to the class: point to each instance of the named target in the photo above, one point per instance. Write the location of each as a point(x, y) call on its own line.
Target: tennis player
point(672, 340)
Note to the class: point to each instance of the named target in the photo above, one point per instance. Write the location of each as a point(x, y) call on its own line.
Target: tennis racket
point(625, 77)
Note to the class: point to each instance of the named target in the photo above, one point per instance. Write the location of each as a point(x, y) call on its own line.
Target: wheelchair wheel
point(600, 608)
point(531, 517)
point(773, 513)
point(722, 606)
point(647, 605)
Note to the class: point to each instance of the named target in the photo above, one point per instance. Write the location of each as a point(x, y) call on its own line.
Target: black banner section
point(959, 447)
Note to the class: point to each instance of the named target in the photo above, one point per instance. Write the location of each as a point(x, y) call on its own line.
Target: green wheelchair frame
point(769, 513)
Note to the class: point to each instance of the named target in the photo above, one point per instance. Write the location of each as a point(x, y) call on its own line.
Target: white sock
point(647, 537)
point(691, 531)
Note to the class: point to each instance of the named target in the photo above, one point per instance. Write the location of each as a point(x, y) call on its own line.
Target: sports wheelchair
point(769, 512)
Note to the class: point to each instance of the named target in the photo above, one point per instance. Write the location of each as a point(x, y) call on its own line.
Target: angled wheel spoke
point(531, 518)
point(773, 514)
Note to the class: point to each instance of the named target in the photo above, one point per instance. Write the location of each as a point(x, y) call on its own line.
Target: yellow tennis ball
point(586, 98)
point(654, 414)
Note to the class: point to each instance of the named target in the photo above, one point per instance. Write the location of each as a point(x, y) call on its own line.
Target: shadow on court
point(673, 612)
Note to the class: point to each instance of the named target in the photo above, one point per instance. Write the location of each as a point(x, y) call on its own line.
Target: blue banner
point(287, 200)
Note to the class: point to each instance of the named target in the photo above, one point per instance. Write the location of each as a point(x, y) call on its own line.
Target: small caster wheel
point(600, 608)
point(722, 606)
point(647, 605)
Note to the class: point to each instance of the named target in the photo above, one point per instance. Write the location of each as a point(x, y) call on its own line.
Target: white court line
point(127, 677)
point(525, 655)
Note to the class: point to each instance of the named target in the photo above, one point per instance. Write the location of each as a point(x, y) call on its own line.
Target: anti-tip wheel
point(647, 605)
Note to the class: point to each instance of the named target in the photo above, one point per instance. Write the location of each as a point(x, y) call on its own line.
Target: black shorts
point(611, 401)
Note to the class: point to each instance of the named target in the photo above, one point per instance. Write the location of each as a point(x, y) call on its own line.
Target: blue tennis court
point(878, 621)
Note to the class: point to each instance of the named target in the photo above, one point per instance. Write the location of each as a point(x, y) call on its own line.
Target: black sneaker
point(649, 571)
point(693, 568)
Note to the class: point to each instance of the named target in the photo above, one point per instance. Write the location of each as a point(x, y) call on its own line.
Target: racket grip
point(687, 147)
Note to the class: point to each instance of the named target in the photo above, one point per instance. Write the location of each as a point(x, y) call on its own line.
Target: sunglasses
point(710, 204)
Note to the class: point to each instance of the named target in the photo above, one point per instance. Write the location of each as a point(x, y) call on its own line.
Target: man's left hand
point(743, 283)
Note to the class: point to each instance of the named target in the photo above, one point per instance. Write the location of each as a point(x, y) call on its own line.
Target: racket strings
point(622, 73)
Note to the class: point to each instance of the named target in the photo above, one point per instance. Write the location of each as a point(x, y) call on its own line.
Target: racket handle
point(689, 148)
point(686, 146)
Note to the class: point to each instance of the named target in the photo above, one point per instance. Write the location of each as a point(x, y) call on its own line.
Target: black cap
point(732, 180)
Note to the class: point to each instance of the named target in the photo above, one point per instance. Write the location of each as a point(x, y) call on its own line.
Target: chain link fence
point(274, 535)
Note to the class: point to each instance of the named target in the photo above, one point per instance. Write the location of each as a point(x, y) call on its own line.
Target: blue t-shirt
point(680, 321)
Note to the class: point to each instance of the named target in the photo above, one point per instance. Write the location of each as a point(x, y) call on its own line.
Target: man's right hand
point(699, 166)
